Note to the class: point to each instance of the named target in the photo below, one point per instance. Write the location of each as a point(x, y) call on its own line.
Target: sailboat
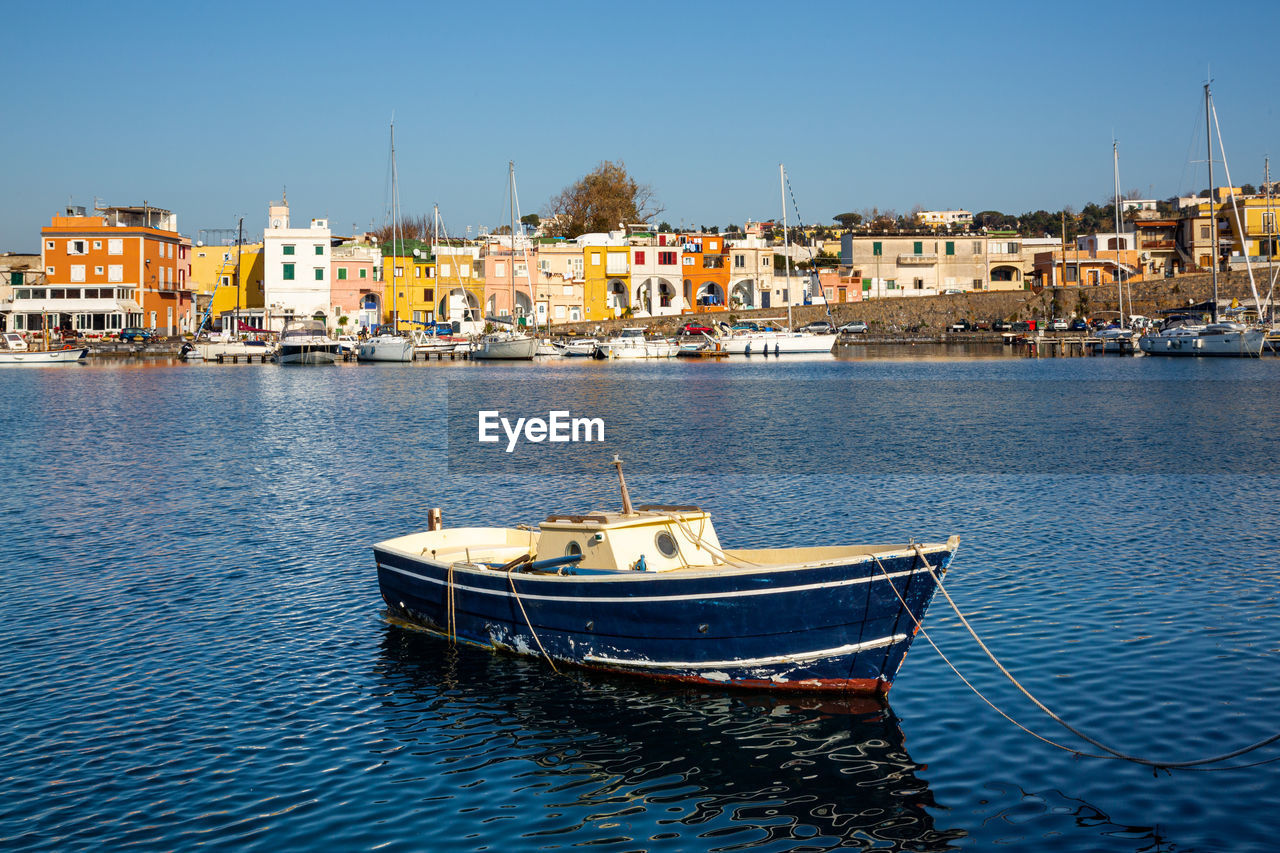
point(785, 342)
point(1187, 335)
point(1117, 339)
point(512, 345)
point(389, 344)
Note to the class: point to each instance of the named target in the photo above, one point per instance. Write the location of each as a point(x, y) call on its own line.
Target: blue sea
point(193, 650)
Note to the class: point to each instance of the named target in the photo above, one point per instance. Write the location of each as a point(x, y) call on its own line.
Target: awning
point(73, 306)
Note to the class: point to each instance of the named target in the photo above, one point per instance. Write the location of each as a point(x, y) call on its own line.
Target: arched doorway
point(617, 297)
point(458, 304)
point(710, 293)
point(1006, 273)
point(743, 294)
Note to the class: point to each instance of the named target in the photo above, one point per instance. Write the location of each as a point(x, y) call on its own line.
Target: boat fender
point(638, 565)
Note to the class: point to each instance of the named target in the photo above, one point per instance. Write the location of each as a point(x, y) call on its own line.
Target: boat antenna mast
point(782, 183)
point(511, 261)
point(622, 481)
point(1115, 165)
point(397, 236)
point(1213, 214)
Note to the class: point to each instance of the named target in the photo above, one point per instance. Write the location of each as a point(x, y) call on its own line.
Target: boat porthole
point(573, 549)
point(666, 543)
point(702, 629)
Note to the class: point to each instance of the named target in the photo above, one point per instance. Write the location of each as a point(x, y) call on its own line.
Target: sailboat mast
point(511, 261)
point(1213, 217)
point(782, 184)
point(239, 255)
point(1115, 165)
point(396, 234)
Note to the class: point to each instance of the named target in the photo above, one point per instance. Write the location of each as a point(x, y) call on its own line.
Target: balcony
point(918, 260)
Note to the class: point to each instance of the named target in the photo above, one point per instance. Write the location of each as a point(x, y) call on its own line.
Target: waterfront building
point(750, 272)
point(356, 291)
point(296, 264)
point(459, 291)
point(560, 280)
point(223, 295)
point(607, 272)
point(915, 265)
point(656, 275)
point(1078, 266)
point(705, 265)
point(408, 283)
point(1157, 244)
point(122, 266)
point(505, 268)
point(1248, 227)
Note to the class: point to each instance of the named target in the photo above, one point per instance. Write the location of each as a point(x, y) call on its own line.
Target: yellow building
point(459, 283)
point(1258, 217)
point(607, 273)
point(409, 270)
point(213, 274)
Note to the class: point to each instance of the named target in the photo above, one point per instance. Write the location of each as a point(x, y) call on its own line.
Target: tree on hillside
point(410, 228)
point(603, 200)
point(848, 220)
point(531, 219)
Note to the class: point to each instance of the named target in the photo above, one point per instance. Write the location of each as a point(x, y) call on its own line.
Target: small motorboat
point(651, 591)
point(578, 348)
point(15, 351)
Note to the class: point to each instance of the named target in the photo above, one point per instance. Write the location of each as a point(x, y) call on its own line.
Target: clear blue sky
point(210, 109)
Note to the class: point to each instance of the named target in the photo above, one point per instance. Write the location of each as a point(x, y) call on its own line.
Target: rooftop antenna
point(622, 481)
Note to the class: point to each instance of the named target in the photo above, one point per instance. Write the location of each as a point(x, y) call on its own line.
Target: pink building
point(355, 285)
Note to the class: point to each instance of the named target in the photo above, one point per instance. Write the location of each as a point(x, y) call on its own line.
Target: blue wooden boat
point(650, 591)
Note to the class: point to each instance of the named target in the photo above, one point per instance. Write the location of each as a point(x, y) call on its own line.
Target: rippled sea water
point(193, 649)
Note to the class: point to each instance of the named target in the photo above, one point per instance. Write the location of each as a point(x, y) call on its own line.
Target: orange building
point(705, 270)
point(123, 266)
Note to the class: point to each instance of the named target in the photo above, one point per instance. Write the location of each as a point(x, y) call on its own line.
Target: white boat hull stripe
point(623, 599)
point(798, 657)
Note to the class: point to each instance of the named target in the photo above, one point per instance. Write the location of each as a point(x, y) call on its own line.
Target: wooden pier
point(1068, 347)
point(440, 355)
point(249, 358)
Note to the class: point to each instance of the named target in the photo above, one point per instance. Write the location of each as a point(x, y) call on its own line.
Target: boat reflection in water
point(598, 758)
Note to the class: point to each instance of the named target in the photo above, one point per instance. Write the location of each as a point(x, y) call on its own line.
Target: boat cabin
point(654, 538)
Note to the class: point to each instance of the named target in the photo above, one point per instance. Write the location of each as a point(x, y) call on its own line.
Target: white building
point(656, 273)
point(751, 273)
point(295, 269)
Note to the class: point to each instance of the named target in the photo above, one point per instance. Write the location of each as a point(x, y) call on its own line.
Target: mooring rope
point(451, 619)
point(1111, 753)
point(697, 539)
point(512, 581)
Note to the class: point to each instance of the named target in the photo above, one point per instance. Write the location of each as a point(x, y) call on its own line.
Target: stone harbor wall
point(933, 314)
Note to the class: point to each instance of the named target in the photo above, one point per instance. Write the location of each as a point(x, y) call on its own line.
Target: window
point(499, 269)
point(364, 273)
point(76, 247)
point(48, 244)
point(575, 313)
point(288, 272)
point(877, 248)
point(595, 259)
point(319, 273)
point(1268, 222)
point(739, 262)
point(866, 284)
point(522, 270)
point(287, 250)
point(688, 260)
point(444, 270)
point(342, 273)
point(98, 270)
point(77, 272)
point(115, 246)
point(97, 244)
point(891, 284)
point(977, 247)
point(977, 284)
point(951, 248)
point(917, 248)
point(115, 272)
point(1204, 232)
point(224, 281)
point(417, 272)
point(639, 257)
point(559, 312)
point(918, 283)
point(319, 250)
point(615, 263)
point(666, 259)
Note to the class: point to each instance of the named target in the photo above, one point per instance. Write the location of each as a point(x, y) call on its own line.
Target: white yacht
point(1185, 336)
point(631, 343)
point(385, 347)
point(306, 342)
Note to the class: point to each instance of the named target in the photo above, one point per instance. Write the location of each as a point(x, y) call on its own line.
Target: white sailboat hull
point(385, 348)
point(1234, 343)
point(778, 343)
point(35, 358)
point(505, 349)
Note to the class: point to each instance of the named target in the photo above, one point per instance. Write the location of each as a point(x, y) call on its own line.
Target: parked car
point(821, 327)
point(133, 334)
point(1078, 326)
point(854, 327)
point(1058, 325)
point(982, 325)
point(745, 327)
point(1000, 326)
point(694, 329)
point(961, 326)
